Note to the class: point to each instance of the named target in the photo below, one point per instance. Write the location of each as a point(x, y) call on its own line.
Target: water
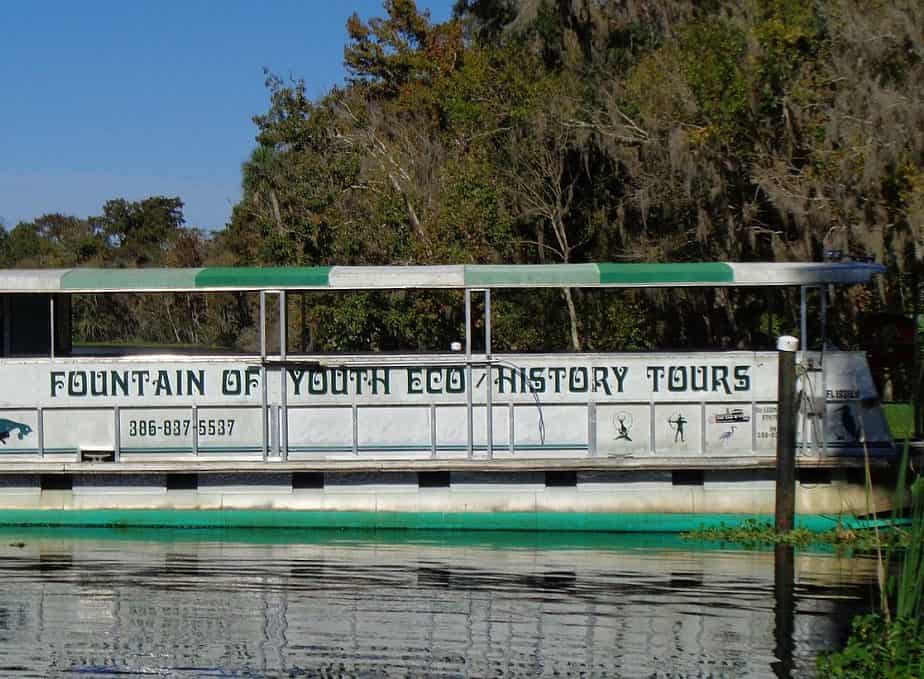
point(289, 603)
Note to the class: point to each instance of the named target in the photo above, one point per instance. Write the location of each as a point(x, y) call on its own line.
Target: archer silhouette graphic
point(678, 424)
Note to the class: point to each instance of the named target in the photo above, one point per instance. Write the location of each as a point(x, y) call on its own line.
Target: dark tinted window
point(29, 325)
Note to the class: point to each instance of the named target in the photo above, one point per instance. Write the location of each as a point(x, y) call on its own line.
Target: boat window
point(26, 325)
point(119, 324)
point(28, 321)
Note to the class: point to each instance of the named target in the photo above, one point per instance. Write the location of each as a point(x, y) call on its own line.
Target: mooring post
point(784, 609)
point(786, 412)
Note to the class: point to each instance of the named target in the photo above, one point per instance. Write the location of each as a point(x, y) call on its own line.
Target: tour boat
point(465, 438)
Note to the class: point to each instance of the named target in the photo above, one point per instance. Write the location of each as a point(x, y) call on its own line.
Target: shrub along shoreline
point(890, 641)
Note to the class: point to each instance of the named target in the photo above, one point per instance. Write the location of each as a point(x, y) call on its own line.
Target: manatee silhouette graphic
point(8, 426)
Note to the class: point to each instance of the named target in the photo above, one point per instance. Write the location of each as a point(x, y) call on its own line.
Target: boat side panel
point(593, 405)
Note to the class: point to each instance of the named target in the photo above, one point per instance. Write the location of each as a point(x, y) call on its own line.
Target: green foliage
point(139, 231)
point(878, 648)
point(487, 18)
point(900, 417)
point(614, 323)
point(27, 247)
point(909, 588)
point(883, 644)
point(384, 321)
point(472, 225)
point(754, 533)
point(712, 52)
point(550, 33)
point(789, 34)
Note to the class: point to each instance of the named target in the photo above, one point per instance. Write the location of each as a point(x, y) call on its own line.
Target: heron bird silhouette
point(726, 435)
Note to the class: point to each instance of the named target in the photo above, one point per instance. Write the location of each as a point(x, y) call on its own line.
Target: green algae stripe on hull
point(260, 277)
point(551, 521)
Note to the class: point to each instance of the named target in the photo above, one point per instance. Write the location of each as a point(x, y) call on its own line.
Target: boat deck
point(479, 465)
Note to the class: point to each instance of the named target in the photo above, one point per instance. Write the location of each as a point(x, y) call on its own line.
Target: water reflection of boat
point(369, 607)
point(466, 439)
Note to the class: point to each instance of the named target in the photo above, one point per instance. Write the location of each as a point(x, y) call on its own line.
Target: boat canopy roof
point(599, 275)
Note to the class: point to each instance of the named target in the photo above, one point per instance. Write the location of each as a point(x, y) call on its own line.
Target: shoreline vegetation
point(889, 641)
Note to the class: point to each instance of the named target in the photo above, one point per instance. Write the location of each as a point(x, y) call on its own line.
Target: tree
point(139, 232)
point(545, 173)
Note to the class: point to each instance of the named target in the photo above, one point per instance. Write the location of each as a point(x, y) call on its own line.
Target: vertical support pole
point(916, 361)
point(283, 379)
point(195, 429)
point(803, 320)
point(263, 325)
point(823, 291)
point(263, 374)
point(117, 432)
point(41, 423)
point(592, 429)
point(274, 430)
point(51, 325)
point(40, 412)
point(489, 400)
point(786, 434)
point(468, 373)
point(511, 427)
point(432, 429)
point(355, 415)
point(303, 300)
point(803, 432)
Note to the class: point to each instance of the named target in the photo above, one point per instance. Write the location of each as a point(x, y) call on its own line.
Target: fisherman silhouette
point(678, 423)
point(623, 429)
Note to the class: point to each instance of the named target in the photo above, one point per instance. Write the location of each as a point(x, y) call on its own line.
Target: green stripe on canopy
point(258, 277)
point(659, 274)
point(129, 279)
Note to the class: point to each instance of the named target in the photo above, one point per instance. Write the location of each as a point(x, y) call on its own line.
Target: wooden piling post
point(786, 412)
point(784, 610)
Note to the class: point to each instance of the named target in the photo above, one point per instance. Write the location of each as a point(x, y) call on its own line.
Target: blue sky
point(105, 99)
